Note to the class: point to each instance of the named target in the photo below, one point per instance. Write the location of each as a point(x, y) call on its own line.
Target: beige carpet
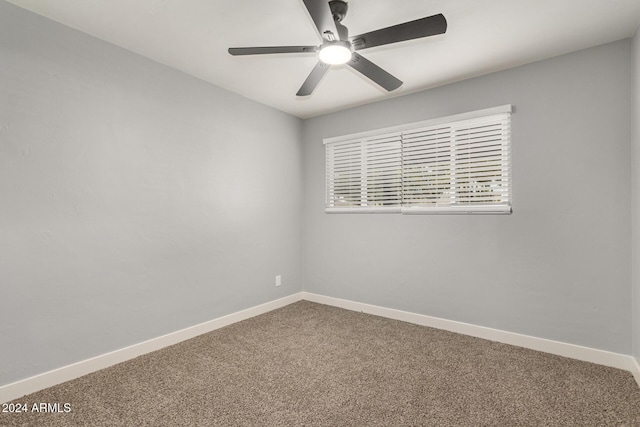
point(315, 365)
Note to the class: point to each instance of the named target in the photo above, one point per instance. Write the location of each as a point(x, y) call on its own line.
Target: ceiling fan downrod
point(339, 9)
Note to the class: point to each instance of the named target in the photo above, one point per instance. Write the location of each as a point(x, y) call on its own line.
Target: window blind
point(450, 165)
point(365, 173)
point(461, 167)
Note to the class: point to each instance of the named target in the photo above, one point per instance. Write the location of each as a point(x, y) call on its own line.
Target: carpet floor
point(309, 364)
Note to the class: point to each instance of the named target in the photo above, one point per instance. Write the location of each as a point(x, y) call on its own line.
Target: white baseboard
point(635, 370)
point(66, 373)
point(586, 354)
point(48, 379)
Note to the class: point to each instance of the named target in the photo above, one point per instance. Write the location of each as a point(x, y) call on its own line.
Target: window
point(457, 164)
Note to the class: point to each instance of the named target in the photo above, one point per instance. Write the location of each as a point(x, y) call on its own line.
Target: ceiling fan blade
point(321, 14)
point(314, 78)
point(343, 32)
point(271, 49)
point(424, 27)
point(373, 72)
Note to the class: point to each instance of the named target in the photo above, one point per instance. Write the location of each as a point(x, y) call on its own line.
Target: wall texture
point(635, 190)
point(135, 200)
point(557, 268)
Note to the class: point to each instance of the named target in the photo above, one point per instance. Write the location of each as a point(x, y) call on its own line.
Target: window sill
point(444, 210)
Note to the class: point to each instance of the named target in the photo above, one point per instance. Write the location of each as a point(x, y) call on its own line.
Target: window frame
point(473, 206)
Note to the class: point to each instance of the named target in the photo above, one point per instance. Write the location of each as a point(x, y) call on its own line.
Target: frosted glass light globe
point(335, 53)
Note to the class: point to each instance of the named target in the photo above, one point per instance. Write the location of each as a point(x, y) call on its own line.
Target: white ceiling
point(482, 36)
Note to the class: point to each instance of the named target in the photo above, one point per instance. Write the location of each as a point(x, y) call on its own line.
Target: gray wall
point(557, 268)
point(135, 200)
point(635, 191)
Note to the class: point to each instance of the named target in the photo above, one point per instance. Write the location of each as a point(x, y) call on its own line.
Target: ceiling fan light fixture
point(335, 52)
point(336, 48)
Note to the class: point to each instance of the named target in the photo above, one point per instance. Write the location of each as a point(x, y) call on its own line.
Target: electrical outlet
point(278, 280)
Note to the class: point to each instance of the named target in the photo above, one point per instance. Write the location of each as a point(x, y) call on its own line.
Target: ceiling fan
point(338, 48)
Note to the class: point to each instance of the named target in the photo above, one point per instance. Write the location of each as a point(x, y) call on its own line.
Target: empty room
point(319, 213)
